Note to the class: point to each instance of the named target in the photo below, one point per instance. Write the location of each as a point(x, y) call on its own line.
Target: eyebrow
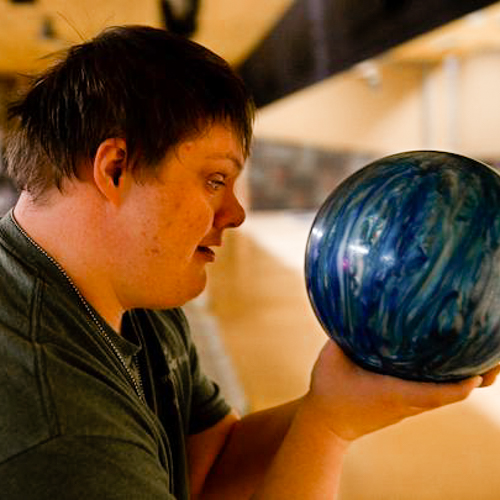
point(227, 156)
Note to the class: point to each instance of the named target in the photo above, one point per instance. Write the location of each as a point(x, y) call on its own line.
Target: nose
point(231, 213)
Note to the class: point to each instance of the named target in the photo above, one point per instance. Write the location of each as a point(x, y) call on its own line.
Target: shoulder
point(19, 286)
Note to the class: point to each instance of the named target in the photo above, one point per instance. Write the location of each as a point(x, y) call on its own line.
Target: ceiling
point(476, 32)
point(29, 31)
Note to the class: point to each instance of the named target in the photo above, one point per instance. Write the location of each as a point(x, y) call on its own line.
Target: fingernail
point(478, 381)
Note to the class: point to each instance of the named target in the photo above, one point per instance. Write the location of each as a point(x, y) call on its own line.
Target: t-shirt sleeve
point(207, 406)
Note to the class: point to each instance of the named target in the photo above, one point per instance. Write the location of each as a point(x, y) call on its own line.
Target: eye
point(217, 181)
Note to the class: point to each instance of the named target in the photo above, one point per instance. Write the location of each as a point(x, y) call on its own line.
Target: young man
point(127, 152)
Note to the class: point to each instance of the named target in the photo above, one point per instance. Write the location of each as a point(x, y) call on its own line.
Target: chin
point(199, 289)
point(181, 297)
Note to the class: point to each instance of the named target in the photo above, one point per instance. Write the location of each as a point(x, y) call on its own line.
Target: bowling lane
point(264, 318)
point(281, 233)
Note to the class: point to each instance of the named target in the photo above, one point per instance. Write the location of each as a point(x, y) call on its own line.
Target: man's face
point(169, 224)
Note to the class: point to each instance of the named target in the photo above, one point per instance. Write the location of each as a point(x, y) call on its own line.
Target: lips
point(212, 240)
point(208, 252)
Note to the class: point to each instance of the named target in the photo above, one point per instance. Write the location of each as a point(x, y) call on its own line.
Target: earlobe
point(110, 169)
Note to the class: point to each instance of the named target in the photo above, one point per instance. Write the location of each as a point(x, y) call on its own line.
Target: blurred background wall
point(438, 91)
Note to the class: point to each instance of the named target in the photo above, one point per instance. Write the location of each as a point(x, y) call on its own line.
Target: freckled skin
point(164, 221)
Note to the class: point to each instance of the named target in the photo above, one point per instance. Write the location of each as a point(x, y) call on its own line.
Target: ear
point(111, 170)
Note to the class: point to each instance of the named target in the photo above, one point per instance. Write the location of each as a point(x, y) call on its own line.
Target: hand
point(353, 402)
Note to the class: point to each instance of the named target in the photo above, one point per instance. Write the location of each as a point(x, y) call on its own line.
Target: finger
point(427, 395)
point(490, 376)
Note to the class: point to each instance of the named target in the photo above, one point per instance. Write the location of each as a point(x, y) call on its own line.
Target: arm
point(296, 450)
point(231, 465)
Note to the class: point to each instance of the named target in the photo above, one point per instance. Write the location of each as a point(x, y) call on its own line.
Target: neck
point(67, 227)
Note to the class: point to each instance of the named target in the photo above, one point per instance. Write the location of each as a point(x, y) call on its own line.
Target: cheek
point(198, 227)
point(181, 236)
point(198, 219)
point(154, 247)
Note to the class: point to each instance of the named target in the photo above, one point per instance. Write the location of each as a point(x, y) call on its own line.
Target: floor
point(264, 342)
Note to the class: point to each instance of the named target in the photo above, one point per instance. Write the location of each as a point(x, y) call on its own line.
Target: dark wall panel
point(318, 38)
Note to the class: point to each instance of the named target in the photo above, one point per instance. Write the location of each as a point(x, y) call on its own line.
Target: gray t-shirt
point(71, 424)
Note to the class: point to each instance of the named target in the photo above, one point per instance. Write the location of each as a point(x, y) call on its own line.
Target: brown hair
point(139, 83)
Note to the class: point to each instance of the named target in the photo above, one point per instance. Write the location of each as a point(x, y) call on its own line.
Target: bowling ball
point(403, 266)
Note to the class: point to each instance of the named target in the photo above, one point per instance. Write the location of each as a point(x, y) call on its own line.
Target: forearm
point(275, 454)
point(248, 453)
point(307, 465)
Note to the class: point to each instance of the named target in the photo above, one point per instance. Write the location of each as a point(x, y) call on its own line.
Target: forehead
point(216, 142)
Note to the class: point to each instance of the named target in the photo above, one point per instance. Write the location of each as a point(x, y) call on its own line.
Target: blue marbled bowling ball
point(403, 266)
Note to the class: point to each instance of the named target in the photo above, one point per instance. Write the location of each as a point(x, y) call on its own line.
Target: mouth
point(207, 252)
